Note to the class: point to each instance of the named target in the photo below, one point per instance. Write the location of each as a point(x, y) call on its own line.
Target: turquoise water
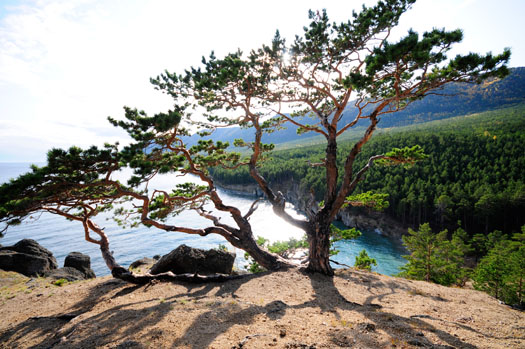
point(62, 236)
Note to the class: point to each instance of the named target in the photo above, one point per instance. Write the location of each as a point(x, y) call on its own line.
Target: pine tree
point(516, 278)
point(501, 272)
point(364, 261)
point(448, 262)
point(433, 257)
point(324, 71)
point(423, 246)
point(493, 270)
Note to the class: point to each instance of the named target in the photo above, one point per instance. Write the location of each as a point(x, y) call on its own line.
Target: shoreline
point(373, 221)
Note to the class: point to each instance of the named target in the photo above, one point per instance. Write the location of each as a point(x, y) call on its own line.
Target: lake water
point(61, 236)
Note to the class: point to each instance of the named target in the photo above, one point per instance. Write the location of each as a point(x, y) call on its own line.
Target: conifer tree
point(309, 84)
point(433, 257)
point(501, 272)
point(493, 269)
point(327, 69)
point(364, 261)
point(423, 246)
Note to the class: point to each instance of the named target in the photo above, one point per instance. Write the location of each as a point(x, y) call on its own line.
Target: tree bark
point(246, 242)
point(267, 260)
point(319, 250)
point(121, 273)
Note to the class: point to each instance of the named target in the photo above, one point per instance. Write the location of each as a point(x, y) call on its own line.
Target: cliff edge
point(289, 309)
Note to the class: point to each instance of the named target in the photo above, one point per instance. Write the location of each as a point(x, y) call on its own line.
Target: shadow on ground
point(124, 321)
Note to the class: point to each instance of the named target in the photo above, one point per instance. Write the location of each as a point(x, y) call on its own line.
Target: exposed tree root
point(125, 275)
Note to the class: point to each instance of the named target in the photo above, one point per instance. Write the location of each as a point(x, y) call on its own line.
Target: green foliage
point(364, 261)
point(253, 266)
point(433, 257)
point(70, 177)
point(60, 282)
point(376, 201)
point(460, 239)
point(467, 176)
point(448, 264)
point(407, 156)
point(337, 234)
point(284, 247)
point(501, 272)
point(492, 270)
point(343, 234)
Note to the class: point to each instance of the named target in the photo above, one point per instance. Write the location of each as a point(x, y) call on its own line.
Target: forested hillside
point(463, 99)
point(475, 172)
point(456, 99)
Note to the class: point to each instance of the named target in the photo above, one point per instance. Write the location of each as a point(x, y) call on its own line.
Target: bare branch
point(253, 208)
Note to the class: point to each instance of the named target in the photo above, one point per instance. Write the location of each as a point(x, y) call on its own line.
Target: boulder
point(68, 273)
point(27, 257)
point(185, 259)
point(142, 263)
point(81, 262)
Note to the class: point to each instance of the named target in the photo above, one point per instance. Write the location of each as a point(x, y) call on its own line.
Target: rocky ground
point(282, 310)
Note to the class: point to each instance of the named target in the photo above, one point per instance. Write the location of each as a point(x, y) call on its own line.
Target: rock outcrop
point(143, 262)
point(27, 257)
point(372, 220)
point(77, 266)
point(185, 259)
point(81, 262)
point(67, 273)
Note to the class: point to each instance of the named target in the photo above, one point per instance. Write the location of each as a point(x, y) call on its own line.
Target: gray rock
point(68, 273)
point(142, 262)
point(185, 259)
point(81, 262)
point(27, 257)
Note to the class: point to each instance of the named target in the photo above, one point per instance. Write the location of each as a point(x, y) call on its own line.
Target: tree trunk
point(419, 214)
point(121, 273)
point(520, 292)
point(429, 256)
point(319, 251)
point(267, 260)
point(244, 240)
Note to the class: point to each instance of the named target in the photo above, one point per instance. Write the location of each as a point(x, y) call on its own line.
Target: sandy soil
point(282, 310)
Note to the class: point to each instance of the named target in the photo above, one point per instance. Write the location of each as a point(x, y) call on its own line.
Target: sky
point(66, 65)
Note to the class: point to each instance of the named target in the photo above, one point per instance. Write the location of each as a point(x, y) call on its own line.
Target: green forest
point(463, 206)
point(474, 173)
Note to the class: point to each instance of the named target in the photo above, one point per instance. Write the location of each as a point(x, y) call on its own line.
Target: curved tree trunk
point(124, 274)
point(268, 260)
point(119, 272)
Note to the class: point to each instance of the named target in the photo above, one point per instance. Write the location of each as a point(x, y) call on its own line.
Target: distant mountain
point(461, 99)
point(455, 99)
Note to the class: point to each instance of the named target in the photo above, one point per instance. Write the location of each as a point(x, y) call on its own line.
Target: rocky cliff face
point(377, 221)
point(252, 189)
point(301, 199)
